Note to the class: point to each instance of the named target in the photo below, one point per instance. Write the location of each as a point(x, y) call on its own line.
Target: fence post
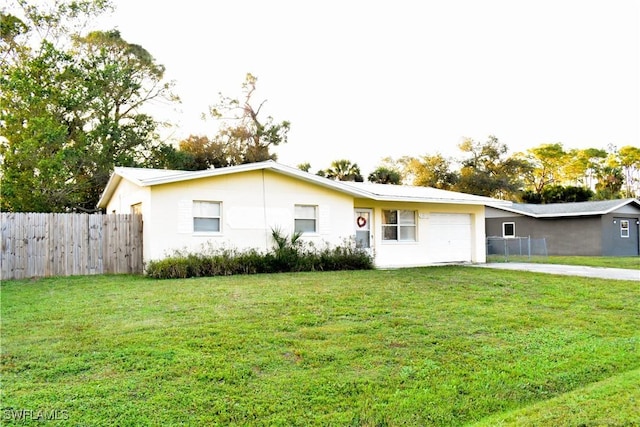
point(506, 249)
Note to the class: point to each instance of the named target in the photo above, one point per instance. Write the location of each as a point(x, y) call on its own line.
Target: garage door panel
point(449, 238)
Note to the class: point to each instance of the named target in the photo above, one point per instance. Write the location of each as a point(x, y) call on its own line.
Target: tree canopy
point(75, 104)
point(428, 171)
point(543, 174)
point(486, 171)
point(383, 175)
point(73, 107)
point(243, 135)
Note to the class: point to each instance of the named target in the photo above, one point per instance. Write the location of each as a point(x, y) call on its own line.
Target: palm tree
point(344, 170)
point(384, 175)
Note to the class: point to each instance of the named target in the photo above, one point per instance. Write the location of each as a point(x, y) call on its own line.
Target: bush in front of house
point(289, 254)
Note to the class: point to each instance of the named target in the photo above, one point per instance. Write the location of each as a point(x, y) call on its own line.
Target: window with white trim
point(206, 216)
point(624, 228)
point(399, 225)
point(305, 219)
point(508, 229)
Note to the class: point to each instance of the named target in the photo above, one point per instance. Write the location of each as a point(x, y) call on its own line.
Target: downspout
point(264, 212)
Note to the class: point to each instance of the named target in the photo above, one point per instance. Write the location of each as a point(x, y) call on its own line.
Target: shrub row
point(288, 255)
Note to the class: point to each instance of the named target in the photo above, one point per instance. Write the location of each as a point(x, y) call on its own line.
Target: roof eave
point(573, 214)
point(108, 191)
point(380, 198)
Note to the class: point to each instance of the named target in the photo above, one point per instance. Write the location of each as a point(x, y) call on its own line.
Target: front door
point(624, 237)
point(364, 227)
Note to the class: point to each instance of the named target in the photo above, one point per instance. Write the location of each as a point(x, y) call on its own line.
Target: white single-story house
point(238, 207)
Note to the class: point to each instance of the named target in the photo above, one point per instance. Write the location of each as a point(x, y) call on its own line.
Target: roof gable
point(380, 192)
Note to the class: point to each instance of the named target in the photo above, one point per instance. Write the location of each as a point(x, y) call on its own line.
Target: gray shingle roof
point(569, 209)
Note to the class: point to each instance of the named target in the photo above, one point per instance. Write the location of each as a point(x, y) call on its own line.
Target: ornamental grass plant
point(288, 254)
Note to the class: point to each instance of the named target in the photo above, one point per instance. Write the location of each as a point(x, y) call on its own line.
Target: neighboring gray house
point(603, 228)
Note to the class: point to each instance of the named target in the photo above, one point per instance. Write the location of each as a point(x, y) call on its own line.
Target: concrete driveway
point(570, 270)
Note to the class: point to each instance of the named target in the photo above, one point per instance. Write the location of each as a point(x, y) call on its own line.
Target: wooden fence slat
point(136, 243)
point(40, 245)
point(94, 248)
point(60, 251)
point(4, 246)
point(50, 242)
point(107, 244)
point(122, 247)
point(21, 260)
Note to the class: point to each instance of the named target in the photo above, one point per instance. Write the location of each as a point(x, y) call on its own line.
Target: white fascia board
point(108, 191)
point(426, 200)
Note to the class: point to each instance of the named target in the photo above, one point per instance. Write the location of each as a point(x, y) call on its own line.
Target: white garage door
point(449, 237)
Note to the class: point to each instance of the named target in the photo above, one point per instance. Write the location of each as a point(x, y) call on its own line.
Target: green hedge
point(289, 254)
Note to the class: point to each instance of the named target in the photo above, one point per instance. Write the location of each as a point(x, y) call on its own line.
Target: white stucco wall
point(126, 195)
point(253, 203)
point(408, 254)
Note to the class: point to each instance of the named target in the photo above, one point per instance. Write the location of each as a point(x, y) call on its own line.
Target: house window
point(399, 225)
point(305, 219)
point(508, 229)
point(206, 216)
point(624, 228)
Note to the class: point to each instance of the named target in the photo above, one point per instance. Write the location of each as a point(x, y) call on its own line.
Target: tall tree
point(121, 78)
point(486, 171)
point(629, 160)
point(610, 177)
point(42, 144)
point(428, 171)
point(582, 165)
point(547, 163)
point(206, 153)
point(72, 107)
point(243, 134)
point(610, 183)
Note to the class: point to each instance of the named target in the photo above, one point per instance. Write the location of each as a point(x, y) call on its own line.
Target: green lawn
point(589, 261)
point(427, 346)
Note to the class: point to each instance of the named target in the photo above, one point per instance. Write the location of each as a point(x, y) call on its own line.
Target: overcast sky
point(363, 80)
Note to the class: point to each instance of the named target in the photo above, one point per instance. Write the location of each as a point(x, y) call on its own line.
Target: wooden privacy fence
point(45, 244)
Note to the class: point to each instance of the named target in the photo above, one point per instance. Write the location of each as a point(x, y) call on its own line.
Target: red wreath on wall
point(361, 221)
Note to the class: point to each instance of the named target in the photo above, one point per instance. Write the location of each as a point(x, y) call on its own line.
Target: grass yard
point(630, 262)
point(447, 346)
